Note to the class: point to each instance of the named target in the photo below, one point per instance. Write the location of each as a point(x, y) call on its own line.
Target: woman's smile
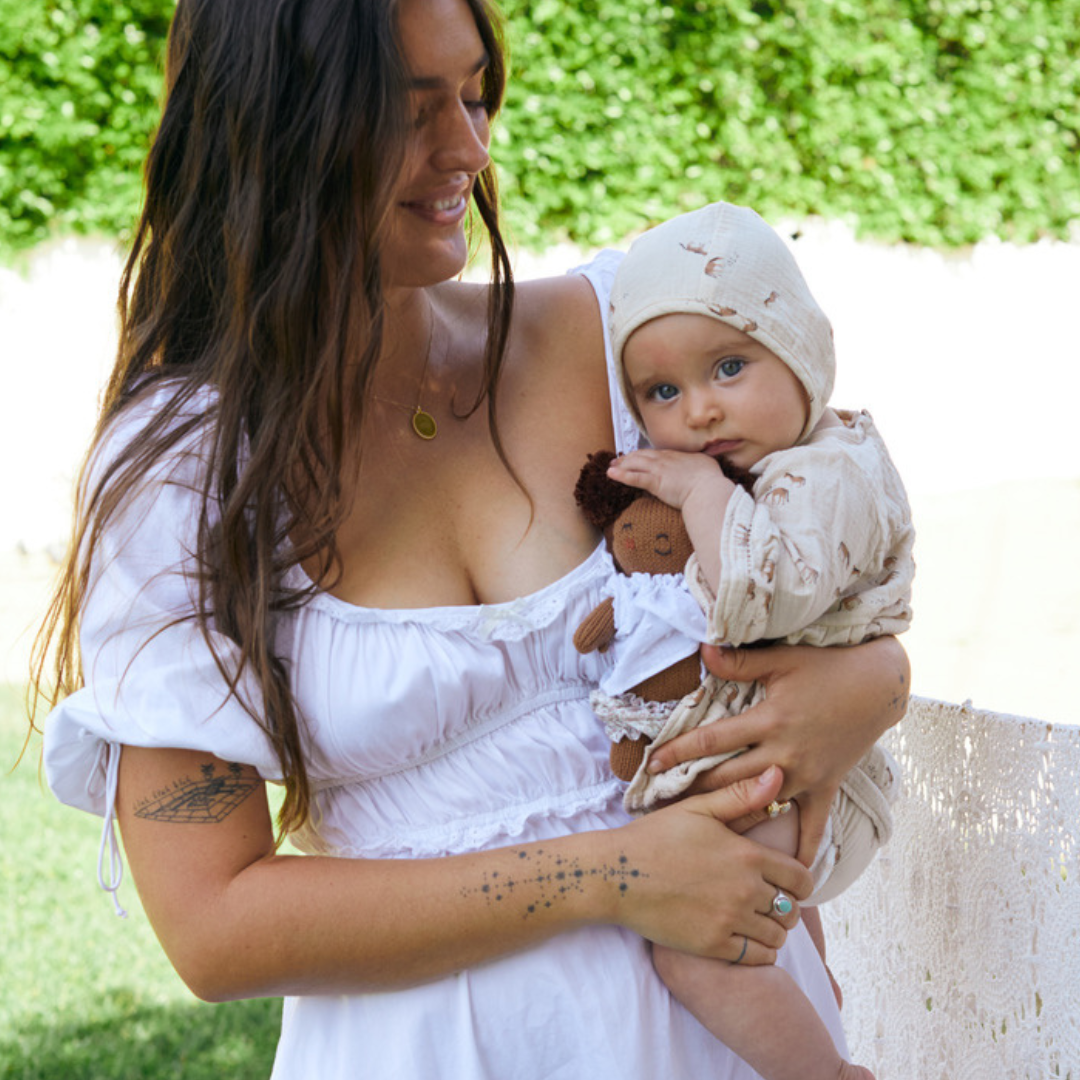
point(442, 207)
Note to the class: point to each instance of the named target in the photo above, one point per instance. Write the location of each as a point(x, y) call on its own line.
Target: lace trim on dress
point(475, 833)
point(628, 716)
point(512, 620)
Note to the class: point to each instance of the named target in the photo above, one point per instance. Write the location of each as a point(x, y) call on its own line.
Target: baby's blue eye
point(664, 392)
point(730, 367)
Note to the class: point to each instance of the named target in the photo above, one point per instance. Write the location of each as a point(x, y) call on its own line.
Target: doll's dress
point(658, 622)
point(429, 732)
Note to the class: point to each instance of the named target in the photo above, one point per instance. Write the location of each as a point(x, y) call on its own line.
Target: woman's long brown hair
point(255, 272)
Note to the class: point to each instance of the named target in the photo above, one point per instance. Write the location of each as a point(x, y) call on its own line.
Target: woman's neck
point(407, 322)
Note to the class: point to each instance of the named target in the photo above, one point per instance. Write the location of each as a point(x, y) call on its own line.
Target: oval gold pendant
point(423, 423)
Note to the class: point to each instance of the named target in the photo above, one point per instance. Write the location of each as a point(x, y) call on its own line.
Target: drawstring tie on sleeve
point(109, 843)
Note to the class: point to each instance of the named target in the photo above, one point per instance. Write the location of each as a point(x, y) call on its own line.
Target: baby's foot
point(853, 1072)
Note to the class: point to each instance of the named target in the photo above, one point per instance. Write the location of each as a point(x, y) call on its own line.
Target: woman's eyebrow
point(439, 82)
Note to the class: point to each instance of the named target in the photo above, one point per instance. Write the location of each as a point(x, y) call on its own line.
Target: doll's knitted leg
point(627, 756)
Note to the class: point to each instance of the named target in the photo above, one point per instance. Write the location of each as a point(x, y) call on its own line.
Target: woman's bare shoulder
point(568, 292)
point(561, 317)
point(557, 358)
point(555, 318)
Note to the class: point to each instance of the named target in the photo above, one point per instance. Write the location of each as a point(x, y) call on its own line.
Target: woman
point(328, 536)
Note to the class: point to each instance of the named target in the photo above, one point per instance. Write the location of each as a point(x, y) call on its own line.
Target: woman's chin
point(429, 265)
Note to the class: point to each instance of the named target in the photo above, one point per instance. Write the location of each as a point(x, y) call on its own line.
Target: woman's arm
point(238, 920)
point(824, 708)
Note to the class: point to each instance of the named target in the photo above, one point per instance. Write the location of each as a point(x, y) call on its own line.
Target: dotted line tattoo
point(208, 800)
point(546, 879)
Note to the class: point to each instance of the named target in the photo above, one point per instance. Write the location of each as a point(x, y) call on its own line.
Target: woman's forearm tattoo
point(208, 800)
point(545, 879)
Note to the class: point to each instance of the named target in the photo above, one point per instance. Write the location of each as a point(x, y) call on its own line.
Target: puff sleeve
point(149, 678)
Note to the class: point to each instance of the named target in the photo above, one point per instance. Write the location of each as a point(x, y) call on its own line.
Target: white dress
point(431, 731)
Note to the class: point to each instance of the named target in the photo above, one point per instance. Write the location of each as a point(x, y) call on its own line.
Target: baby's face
point(703, 386)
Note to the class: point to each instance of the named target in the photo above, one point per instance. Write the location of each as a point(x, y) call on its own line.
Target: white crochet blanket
point(959, 949)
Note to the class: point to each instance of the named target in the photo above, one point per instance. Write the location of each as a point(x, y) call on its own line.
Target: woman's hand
point(824, 708)
point(702, 888)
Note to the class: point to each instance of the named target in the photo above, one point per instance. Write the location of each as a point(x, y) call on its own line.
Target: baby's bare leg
point(783, 834)
point(759, 1012)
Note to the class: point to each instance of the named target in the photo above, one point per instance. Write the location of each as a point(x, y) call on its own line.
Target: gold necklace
point(423, 423)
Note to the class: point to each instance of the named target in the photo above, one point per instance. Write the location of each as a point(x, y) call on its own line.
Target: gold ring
point(775, 809)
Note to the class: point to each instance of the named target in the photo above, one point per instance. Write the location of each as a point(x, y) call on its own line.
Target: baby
point(726, 358)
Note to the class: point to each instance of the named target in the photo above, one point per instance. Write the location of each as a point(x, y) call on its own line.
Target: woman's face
point(446, 60)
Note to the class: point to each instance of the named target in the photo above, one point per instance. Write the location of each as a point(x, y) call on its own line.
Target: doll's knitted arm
point(597, 629)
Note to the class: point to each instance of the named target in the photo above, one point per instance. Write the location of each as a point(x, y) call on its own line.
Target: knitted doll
point(646, 538)
point(657, 626)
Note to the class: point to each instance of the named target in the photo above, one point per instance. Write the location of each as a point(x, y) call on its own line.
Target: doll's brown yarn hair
point(602, 499)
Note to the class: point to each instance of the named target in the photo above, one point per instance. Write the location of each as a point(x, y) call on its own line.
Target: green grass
point(85, 995)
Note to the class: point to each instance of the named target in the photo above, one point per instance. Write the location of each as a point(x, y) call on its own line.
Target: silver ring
point(739, 958)
point(782, 904)
point(775, 809)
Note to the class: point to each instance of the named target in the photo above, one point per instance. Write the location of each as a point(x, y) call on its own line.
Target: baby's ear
point(602, 499)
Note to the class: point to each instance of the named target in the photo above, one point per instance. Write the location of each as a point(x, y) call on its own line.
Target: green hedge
point(936, 121)
point(79, 96)
point(933, 121)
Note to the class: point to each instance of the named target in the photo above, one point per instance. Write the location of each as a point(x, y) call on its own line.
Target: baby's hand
point(673, 476)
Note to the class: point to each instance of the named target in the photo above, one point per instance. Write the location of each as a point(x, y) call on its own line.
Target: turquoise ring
point(782, 904)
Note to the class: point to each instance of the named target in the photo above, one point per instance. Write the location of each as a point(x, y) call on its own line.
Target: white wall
point(967, 360)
